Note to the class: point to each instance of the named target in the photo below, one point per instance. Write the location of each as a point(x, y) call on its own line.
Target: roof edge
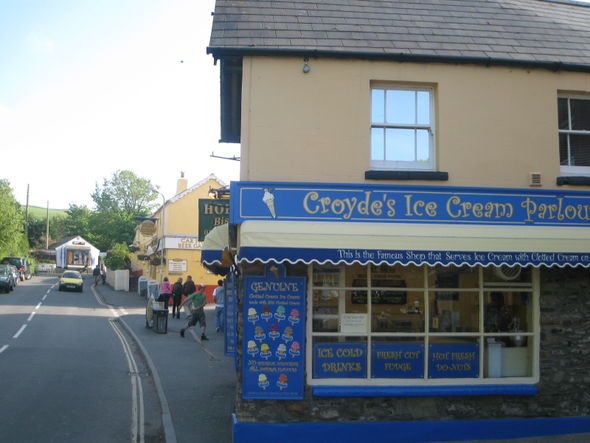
point(221, 52)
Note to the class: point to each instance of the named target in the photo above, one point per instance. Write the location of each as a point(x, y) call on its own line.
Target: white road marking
point(137, 407)
point(31, 316)
point(3, 348)
point(20, 331)
point(44, 297)
point(38, 306)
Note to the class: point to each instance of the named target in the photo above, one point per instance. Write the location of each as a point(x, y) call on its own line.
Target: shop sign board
point(339, 360)
point(274, 337)
point(230, 313)
point(407, 204)
point(212, 213)
point(176, 266)
point(398, 360)
point(453, 360)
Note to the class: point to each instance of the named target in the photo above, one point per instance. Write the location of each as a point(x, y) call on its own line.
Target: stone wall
point(564, 388)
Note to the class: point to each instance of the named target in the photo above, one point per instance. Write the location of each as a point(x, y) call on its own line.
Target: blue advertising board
point(340, 360)
point(397, 360)
point(407, 204)
point(230, 312)
point(453, 360)
point(274, 337)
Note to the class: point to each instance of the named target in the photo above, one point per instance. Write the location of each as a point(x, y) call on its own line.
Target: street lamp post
point(162, 238)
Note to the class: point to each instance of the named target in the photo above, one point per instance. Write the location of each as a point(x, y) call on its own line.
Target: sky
point(91, 87)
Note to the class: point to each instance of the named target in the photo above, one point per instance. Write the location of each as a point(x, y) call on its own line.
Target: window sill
point(578, 180)
point(406, 175)
point(423, 391)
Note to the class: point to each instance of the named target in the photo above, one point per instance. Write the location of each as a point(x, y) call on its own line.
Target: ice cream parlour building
point(364, 309)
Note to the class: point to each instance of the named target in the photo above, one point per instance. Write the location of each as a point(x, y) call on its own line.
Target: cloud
point(40, 44)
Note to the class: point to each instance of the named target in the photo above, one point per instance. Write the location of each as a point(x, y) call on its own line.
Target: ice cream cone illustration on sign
point(269, 200)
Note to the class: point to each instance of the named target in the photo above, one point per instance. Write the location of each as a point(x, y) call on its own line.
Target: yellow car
point(71, 280)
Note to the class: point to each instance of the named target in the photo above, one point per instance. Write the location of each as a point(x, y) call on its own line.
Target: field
point(38, 213)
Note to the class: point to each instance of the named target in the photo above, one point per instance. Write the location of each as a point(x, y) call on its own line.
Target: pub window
point(574, 134)
point(387, 325)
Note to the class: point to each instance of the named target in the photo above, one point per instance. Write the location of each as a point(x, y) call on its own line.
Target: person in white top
point(219, 298)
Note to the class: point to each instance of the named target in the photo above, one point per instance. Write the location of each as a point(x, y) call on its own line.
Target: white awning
point(413, 243)
point(214, 244)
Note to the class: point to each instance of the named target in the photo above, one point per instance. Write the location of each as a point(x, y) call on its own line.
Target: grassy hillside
point(39, 213)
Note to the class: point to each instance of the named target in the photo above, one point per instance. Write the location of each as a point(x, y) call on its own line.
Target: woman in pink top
point(165, 292)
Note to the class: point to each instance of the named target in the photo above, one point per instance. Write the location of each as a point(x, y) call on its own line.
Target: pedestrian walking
point(103, 272)
point(96, 275)
point(165, 292)
point(176, 297)
point(189, 286)
point(198, 300)
point(219, 298)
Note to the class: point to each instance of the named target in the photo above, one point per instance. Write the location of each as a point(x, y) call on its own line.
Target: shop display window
point(426, 324)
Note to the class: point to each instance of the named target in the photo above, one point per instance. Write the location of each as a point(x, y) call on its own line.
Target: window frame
point(395, 165)
point(568, 170)
point(533, 288)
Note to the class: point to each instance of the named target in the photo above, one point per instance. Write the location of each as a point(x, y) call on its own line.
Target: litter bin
point(160, 320)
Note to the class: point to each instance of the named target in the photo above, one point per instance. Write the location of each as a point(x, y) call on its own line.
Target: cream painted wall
point(494, 125)
point(180, 218)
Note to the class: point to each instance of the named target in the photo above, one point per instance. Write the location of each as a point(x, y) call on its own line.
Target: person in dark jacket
point(189, 286)
point(177, 291)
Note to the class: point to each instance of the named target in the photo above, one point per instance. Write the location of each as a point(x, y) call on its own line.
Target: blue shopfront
point(406, 294)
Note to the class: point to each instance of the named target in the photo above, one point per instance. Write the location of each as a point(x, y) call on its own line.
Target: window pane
point(377, 144)
point(502, 274)
point(563, 150)
point(401, 107)
point(463, 277)
point(326, 275)
point(505, 357)
point(562, 113)
point(396, 276)
point(399, 145)
point(454, 311)
point(422, 145)
point(423, 108)
point(580, 110)
point(508, 311)
point(325, 310)
point(397, 311)
point(579, 150)
point(377, 105)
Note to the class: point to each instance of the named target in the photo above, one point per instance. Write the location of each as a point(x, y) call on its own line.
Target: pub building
point(408, 249)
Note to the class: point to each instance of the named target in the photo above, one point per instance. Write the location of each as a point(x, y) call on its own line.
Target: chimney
point(181, 184)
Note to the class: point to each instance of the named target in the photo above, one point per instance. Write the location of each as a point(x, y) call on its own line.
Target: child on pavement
point(198, 300)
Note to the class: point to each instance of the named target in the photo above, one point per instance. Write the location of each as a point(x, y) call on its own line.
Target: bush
point(118, 257)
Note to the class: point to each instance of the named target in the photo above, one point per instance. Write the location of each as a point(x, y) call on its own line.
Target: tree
point(12, 236)
point(125, 193)
point(119, 200)
point(118, 257)
point(77, 222)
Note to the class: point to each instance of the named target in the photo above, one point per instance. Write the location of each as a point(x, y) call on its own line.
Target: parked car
point(21, 263)
point(7, 283)
point(71, 280)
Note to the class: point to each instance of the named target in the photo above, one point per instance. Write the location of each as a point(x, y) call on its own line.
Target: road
point(69, 373)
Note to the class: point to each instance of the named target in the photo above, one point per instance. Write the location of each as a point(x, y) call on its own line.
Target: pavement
point(196, 381)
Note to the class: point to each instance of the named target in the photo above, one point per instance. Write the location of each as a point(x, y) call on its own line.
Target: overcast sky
point(91, 87)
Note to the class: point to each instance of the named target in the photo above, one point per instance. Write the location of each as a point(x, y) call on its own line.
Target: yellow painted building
point(172, 235)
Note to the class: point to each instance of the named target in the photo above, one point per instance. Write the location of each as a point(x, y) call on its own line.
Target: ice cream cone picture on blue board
point(269, 200)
